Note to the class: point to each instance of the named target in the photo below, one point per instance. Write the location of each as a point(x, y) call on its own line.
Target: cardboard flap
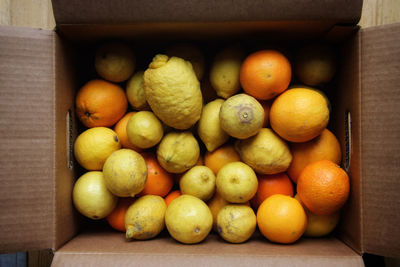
point(109, 248)
point(127, 12)
point(380, 98)
point(26, 139)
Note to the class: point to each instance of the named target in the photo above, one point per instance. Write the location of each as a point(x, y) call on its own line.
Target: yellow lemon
point(173, 91)
point(144, 219)
point(144, 129)
point(265, 152)
point(236, 223)
point(94, 146)
point(241, 116)
point(199, 181)
point(135, 92)
point(216, 203)
point(125, 173)
point(178, 152)
point(91, 196)
point(188, 219)
point(209, 128)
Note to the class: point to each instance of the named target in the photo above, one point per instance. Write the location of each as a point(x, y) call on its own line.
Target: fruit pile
point(230, 149)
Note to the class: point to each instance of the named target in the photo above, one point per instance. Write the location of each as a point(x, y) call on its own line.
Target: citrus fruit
point(315, 64)
point(188, 219)
point(116, 219)
point(241, 116)
point(178, 152)
point(320, 225)
point(265, 152)
point(144, 219)
point(120, 130)
point(199, 181)
point(159, 181)
point(281, 219)
point(216, 159)
point(125, 173)
point(135, 92)
point(225, 69)
point(91, 196)
point(265, 74)
point(236, 182)
point(190, 53)
point(271, 184)
point(209, 129)
point(173, 91)
point(171, 196)
point(216, 203)
point(144, 129)
point(115, 62)
point(94, 146)
point(323, 187)
point(236, 223)
point(100, 103)
point(299, 114)
point(266, 106)
point(324, 146)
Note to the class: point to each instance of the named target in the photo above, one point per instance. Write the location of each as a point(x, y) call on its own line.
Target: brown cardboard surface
point(108, 248)
point(380, 137)
point(27, 129)
point(124, 11)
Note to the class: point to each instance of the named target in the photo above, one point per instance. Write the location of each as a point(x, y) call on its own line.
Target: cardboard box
point(41, 70)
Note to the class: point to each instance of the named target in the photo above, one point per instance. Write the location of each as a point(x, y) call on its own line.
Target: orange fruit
point(218, 158)
point(266, 106)
point(299, 114)
point(116, 219)
point(159, 181)
point(281, 219)
point(269, 185)
point(265, 74)
point(323, 187)
point(324, 146)
point(120, 129)
point(171, 196)
point(100, 103)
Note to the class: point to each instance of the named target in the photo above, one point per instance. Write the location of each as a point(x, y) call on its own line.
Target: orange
point(266, 106)
point(116, 219)
point(171, 196)
point(281, 219)
point(269, 185)
point(323, 187)
point(299, 114)
point(120, 129)
point(324, 146)
point(265, 74)
point(218, 158)
point(159, 181)
point(100, 103)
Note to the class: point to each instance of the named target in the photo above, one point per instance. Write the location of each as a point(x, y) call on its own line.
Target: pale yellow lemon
point(144, 129)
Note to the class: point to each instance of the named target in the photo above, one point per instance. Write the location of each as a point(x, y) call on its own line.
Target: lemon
point(199, 181)
point(190, 53)
point(241, 116)
point(224, 73)
point(188, 219)
point(91, 196)
point(115, 62)
point(236, 182)
point(216, 203)
point(93, 146)
point(178, 152)
point(236, 223)
point(209, 128)
point(173, 91)
point(125, 173)
point(144, 129)
point(144, 219)
point(265, 152)
point(135, 92)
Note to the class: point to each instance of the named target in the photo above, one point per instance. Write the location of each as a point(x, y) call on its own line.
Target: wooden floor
point(39, 13)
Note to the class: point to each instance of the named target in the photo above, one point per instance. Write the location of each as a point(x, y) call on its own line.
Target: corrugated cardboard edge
point(380, 80)
point(27, 139)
